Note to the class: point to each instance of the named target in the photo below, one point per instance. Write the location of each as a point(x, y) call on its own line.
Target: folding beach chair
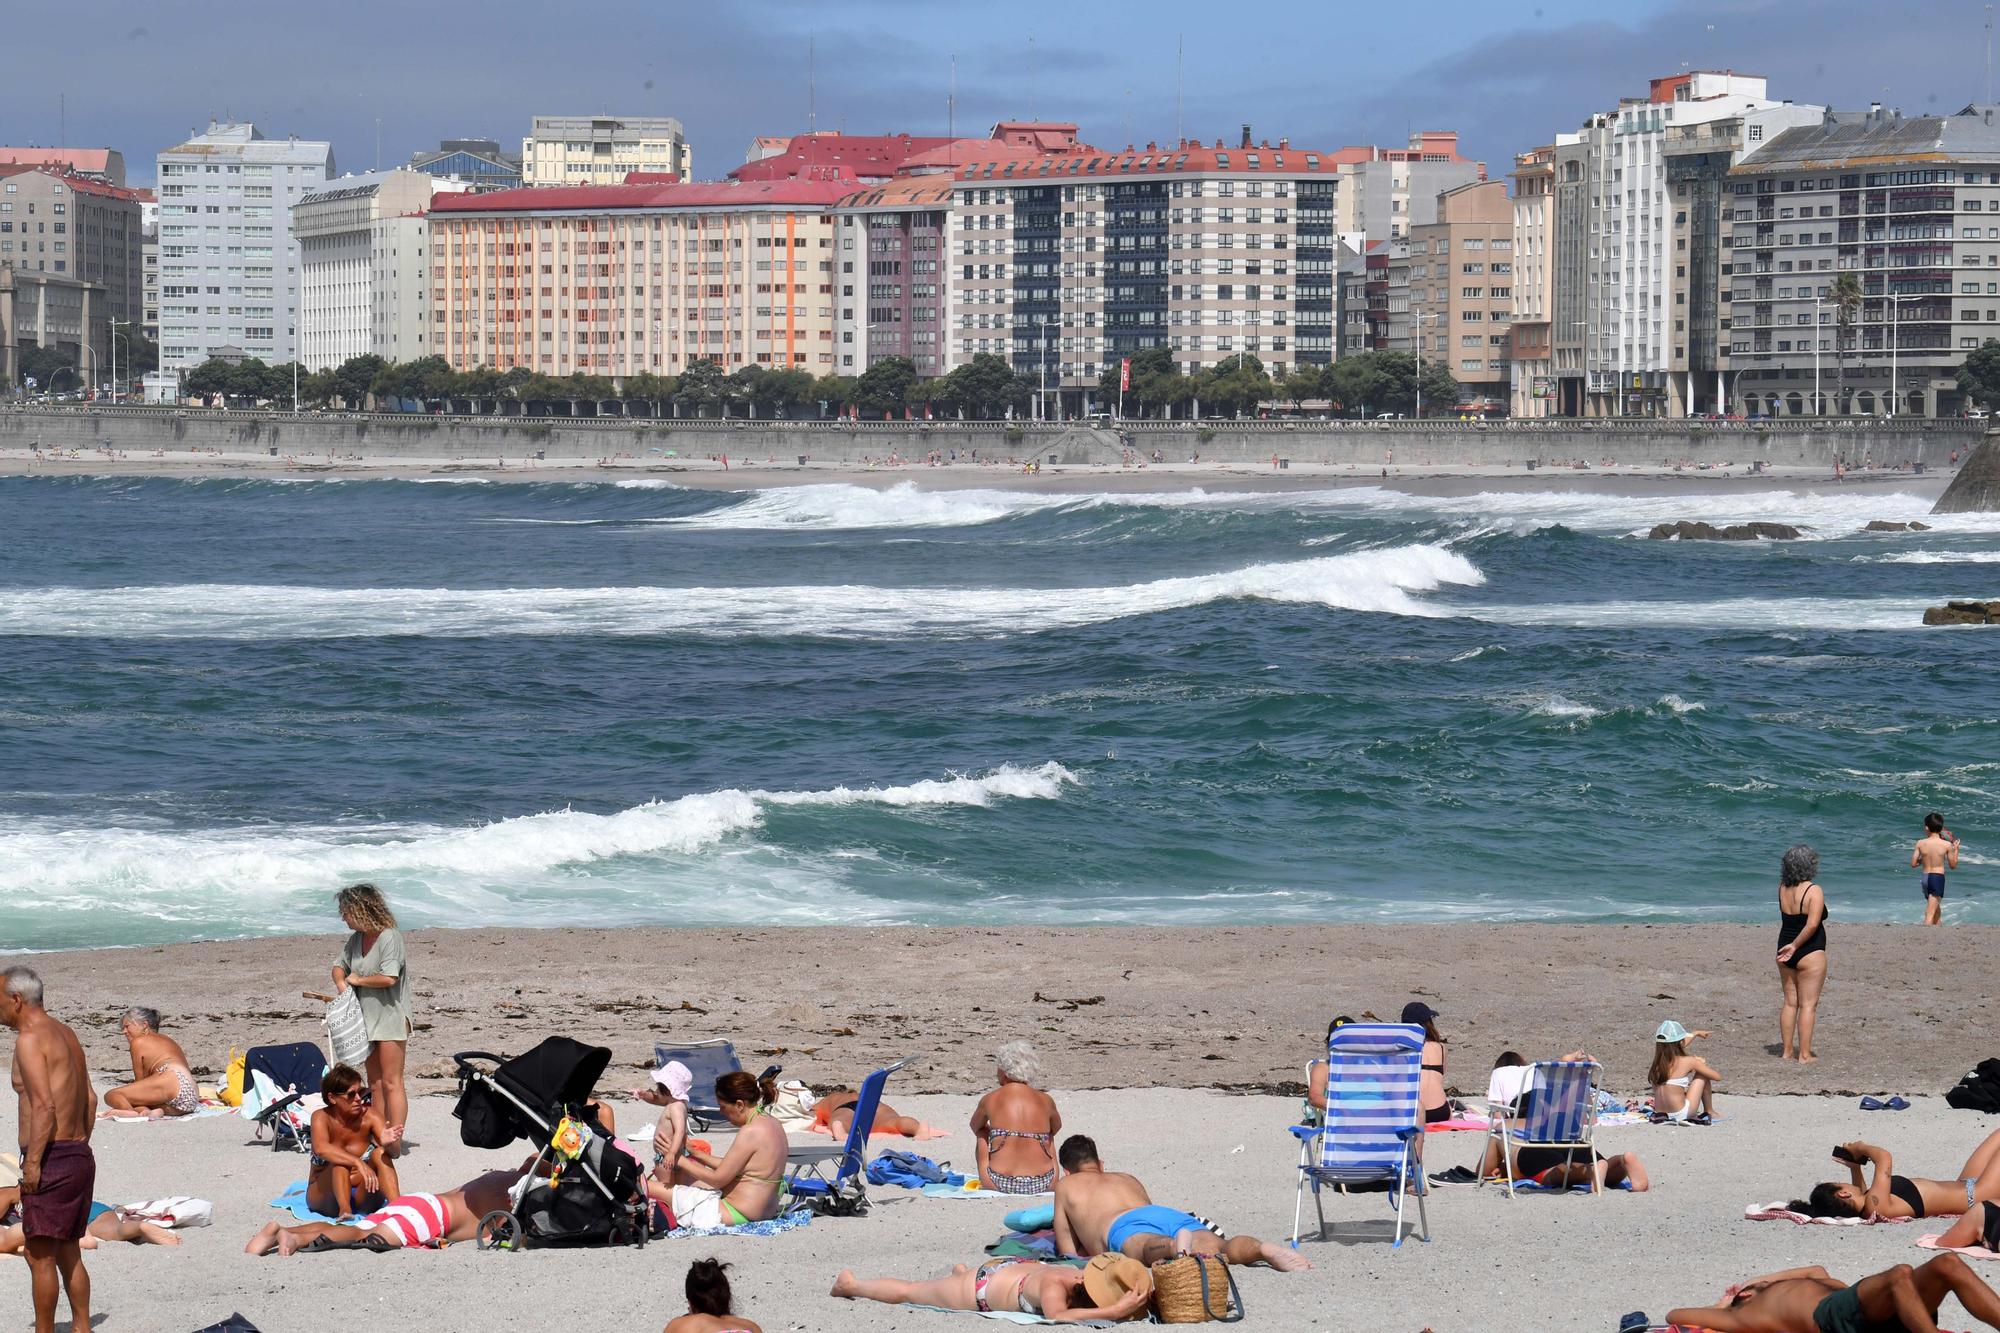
point(294, 1072)
point(707, 1061)
point(1561, 1113)
point(1373, 1121)
point(809, 1163)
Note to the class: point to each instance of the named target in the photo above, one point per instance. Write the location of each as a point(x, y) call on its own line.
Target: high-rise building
point(1532, 385)
point(630, 279)
point(84, 232)
point(229, 265)
point(1381, 193)
point(895, 299)
point(1462, 291)
point(149, 253)
point(1907, 207)
point(601, 150)
point(364, 275)
point(480, 163)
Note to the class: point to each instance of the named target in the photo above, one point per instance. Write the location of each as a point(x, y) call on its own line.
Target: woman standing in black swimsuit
point(1801, 950)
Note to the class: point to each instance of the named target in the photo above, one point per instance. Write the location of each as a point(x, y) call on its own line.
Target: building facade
point(364, 278)
point(149, 264)
point(600, 150)
point(54, 221)
point(477, 162)
point(1068, 263)
point(1908, 208)
point(56, 311)
point(895, 297)
point(229, 265)
point(102, 164)
point(1531, 386)
point(1462, 291)
point(637, 279)
point(1382, 192)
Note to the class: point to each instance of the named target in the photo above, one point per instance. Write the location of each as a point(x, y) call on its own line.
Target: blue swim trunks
point(1151, 1220)
point(1934, 885)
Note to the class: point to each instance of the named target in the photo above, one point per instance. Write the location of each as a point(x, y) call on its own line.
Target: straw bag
point(1195, 1289)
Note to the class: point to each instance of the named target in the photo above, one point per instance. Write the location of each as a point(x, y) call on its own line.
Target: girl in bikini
point(1683, 1084)
point(1015, 1127)
point(1888, 1195)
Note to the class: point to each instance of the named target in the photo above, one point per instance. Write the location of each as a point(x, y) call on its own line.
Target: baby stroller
point(590, 1193)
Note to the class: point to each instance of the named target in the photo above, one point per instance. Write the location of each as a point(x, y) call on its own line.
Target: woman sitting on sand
point(709, 1299)
point(1683, 1084)
point(162, 1084)
point(1432, 1097)
point(350, 1172)
point(743, 1186)
point(1314, 1110)
point(1890, 1196)
point(1112, 1287)
point(1016, 1126)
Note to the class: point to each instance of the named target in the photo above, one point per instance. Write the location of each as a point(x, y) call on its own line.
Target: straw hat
point(1108, 1277)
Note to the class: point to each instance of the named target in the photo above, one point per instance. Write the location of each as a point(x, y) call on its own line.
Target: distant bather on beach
point(1016, 1126)
point(409, 1220)
point(1873, 1189)
point(1810, 1300)
point(833, 1114)
point(162, 1083)
point(1110, 1212)
point(1802, 959)
point(1063, 1293)
point(1683, 1083)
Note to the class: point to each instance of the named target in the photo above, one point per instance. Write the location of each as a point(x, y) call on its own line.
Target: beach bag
point(232, 1079)
point(346, 1030)
point(1195, 1289)
point(178, 1210)
point(895, 1167)
point(1978, 1090)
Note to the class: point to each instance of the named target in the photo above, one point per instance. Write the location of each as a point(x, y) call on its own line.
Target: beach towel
point(965, 1190)
point(1581, 1187)
point(1018, 1317)
point(1454, 1126)
point(293, 1201)
point(911, 1171)
point(1776, 1211)
point(778, 1225)
point(1025, 1245)
point(1969, 1251)
point(202, 1112)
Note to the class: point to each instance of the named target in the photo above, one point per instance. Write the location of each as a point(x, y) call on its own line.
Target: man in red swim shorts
point(58, 1109)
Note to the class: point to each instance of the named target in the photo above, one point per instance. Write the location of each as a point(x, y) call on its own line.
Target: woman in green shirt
point(374, 964)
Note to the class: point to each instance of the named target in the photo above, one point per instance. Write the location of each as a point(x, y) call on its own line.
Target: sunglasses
point(357, 1094)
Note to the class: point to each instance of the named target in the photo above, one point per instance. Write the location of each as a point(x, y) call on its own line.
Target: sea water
point(602, 702)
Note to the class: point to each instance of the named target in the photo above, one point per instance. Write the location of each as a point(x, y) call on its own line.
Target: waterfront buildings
point(1531, 386)
point(480, 163)
point(1907, 207)
point(104, 164)
point(630, 279)
point(149, 263)
point(229, 265)
point(55, 221)
point(364, 278)
point(1462, 289)
point(601, 150)
point(895, 293)
point(52, 310)
point(1381, 193)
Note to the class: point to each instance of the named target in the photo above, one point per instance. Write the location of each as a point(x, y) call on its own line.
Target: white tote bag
point(346, 1032)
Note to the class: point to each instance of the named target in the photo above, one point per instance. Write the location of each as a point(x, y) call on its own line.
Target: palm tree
point(1846, 305)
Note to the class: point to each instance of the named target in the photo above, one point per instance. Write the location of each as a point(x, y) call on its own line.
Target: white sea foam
point(1933, 558)
point(1386, 580)
point(904, 505)
point(1678, 706)
point(1737, 613)
point(1559, 706)
point(465, 875)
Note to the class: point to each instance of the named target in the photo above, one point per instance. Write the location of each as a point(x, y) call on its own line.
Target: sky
point(140, 75)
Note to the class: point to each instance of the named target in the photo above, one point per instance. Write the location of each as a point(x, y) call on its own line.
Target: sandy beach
point(1189, 1043)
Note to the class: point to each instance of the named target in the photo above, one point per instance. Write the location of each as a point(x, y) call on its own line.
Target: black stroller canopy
point(559, 1072)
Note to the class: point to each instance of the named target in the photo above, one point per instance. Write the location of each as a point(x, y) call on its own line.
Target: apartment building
point(1353, 331)
point(1070, 262)
point(645, 278)
point(149, 263)
point(601, 150)
point(55, 221)
point(895, 296)
point(1462, 290)
point(1531, 386)
point(1911, 208)
point(103, 164)
point(1381, 193)
point(364, 277)
point(229, 265)
point(1625, 333)
point(55, 310)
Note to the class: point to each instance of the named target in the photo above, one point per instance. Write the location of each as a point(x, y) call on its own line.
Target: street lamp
point(115, 336)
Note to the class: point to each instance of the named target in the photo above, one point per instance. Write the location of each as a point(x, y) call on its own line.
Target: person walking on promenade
point(1802, 917)
point(58, 1109)
point(1935, 853)
point(374, 963)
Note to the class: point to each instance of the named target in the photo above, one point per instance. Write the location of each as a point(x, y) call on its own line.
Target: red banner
point(1125, 375)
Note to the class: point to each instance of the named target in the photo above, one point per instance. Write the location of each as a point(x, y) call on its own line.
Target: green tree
point(246, 380)
point(652, 390)
point(782, 393)
point(700, 387)
point(1846, 309)
point(207, 379)
point(1305, 382)
point(353, 379)
point(46, 366)
point(137, 355)
point(982, 389)
point(884, 388)
point(1234, 386)
point(318, 388)
point(832, 393)
point(1979, 377)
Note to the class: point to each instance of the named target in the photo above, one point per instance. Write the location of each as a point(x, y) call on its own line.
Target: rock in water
point(1884, 525)
point(1976, 488)
point(1963, 613)
point(1735, 532)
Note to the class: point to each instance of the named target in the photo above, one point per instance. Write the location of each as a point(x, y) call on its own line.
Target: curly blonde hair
point(364, 908)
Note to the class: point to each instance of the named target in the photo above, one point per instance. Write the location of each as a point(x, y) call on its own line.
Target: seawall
point(308, 437)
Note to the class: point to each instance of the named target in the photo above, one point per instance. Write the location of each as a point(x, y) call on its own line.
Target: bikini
point(1436, 1113)
point(1005, 1184)
point(1791, 923)
point(1906, 1189)
point(985, 1274)
point(186, 1100)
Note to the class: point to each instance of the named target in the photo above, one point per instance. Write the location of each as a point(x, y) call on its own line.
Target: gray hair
point(1018, 1061)
point(1800, 866)
point(23, 983)
point(148, 1019)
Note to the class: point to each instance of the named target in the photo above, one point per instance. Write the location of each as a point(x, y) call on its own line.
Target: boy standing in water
point(1936, 852)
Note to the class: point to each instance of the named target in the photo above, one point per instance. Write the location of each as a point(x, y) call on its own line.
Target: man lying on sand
point(1109, 1212)
point(1807, 1300)
point(408, 1220)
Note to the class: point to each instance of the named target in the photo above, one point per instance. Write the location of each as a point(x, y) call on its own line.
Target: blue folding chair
point(295, 1070)
point(810, 1163)
point(707, 1061)
point(1373, 1121)
point(1560, 1111)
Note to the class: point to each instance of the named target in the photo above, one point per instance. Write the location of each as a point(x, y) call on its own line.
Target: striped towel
point(1776, 1211)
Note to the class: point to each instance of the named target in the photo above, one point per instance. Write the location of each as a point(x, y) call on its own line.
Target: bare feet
point(925, 1131)
point(845, 1285)
point(153, 1234)
point(1808, 1058)
point(1283, 1257)
point(265, 1240)
point(289, 1242)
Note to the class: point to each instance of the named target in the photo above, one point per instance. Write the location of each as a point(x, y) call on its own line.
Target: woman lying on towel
point(106, 1224)
point(743, 1186)
point(1807, 1300)
point(1888, 1195)
point(409, 1220)
point(833, 1114)
point(1111, 1287)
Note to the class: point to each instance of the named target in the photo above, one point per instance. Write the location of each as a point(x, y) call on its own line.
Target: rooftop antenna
point(1128, 117)
point(378, 143)
point(62, 116)
point(1033, 80)
point(1180, 64)
point(951, 100)
point(1989, 55)
point(812, 83)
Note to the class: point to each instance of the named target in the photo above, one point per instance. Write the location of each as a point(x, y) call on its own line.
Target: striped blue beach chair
point(1560, 1112)
point(809, 1163)
point(1373, 1121)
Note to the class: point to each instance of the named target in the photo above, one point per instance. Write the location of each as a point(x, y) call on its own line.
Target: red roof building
point(106, 164)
